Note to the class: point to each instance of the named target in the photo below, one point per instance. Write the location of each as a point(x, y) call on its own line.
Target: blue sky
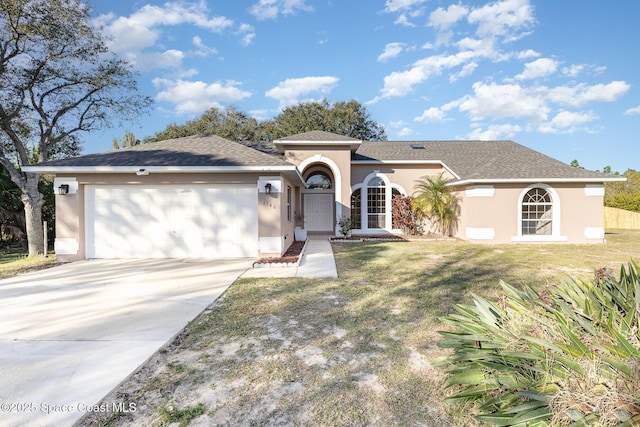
point(560, 77)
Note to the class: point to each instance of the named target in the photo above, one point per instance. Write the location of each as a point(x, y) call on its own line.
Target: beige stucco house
point(205, 196)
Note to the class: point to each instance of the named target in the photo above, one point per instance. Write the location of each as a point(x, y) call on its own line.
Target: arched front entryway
point(318, 199)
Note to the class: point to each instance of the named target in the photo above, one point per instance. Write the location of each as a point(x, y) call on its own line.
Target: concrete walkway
point(317, 262)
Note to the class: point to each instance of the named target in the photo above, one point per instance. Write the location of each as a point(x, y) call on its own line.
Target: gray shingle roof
point(469, 160)
point(196, 150)
point(475, 160)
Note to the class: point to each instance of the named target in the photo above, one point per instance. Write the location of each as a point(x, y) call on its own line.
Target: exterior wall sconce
point(142, 172)
point(267, 188)
point(63, 189)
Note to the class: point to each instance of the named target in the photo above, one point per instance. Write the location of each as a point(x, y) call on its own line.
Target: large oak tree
point(58, 79)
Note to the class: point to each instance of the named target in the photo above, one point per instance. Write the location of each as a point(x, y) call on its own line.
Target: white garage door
point(171, 221)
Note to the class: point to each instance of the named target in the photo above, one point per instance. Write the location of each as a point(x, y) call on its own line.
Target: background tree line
point(621, 195)
point(347, 118)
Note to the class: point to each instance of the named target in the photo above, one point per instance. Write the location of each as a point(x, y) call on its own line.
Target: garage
point(168, 221)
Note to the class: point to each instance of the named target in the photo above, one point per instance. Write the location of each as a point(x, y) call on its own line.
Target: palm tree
point(436, 200)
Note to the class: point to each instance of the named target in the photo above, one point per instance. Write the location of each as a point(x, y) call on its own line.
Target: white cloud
point(494, 101)
point(404, 21)
point(247, 33)
point(203, 50)
point(502, 101)
point(171, 58)
point(494, 132)
point(271, 9)
point(567, 118)
point(392, 6)
point(405, 9)
point(289, 91)
point(539, 68)
point(398, 124)
point(502, 18)
point(567, 122)
point(133, 35)
point(443, 19)
point(634, 110)
point(573, 70)
point(404, 132)
point(432, 114)
point(198, 96)
point(400, 83)
point(526, 54)
point(391, 50)
point(582, 94)
point(466, 71)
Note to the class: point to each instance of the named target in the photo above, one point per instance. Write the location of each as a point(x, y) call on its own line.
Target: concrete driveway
point(71, 333)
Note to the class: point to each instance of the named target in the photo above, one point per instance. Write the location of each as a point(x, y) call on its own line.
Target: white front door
point(318, 212)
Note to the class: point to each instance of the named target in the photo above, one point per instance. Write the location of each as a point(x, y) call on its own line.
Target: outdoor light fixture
point(142, 172)
point(63, 189)
point(267, 188)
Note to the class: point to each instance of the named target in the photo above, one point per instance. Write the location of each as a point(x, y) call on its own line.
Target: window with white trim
point(537, 213)
point(376, 203)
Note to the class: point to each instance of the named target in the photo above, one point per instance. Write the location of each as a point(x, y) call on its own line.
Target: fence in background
point(620, 218)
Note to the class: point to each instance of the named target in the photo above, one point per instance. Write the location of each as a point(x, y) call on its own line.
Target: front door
point(318, 212)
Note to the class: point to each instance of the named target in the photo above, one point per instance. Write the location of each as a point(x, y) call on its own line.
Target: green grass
point(170, 414)
point(14, 262)
point(356, 350)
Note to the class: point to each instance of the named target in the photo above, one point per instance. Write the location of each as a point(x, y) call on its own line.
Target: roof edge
point(155, 169)
point(535, 180)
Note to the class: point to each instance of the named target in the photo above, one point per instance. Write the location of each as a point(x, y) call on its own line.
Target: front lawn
point(16, 261)
point(351, 351)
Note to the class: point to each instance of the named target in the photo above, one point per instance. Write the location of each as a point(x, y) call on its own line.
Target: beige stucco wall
point(404, 175)
point(580, 214)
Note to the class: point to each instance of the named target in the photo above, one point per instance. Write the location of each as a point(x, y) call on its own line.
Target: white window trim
point(480, 191)
point(594, 190)
point(473, 233)
point(555, 235)
point(594, 233)
point(66, 246)
point(364, 215)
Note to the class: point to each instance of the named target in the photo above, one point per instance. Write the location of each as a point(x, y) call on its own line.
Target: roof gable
point(318, 136)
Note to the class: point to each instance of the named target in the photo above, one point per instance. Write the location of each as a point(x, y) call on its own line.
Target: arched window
point(537, 213)
point(376, 206)
point(318, 181)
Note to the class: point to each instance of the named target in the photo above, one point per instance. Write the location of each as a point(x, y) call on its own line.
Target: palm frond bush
point(568, 355)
